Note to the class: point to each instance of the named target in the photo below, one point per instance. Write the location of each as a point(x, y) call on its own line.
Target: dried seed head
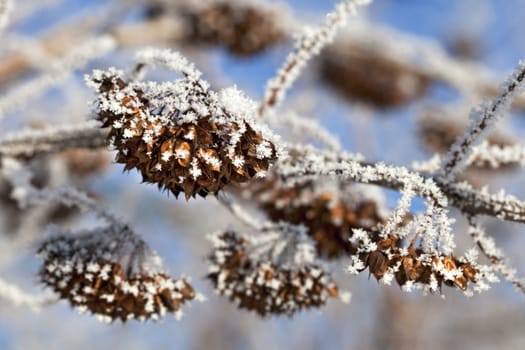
point(181, 136)
point(411, 266)
point(469, 271)
point(108, 278)
point(263, 286)
point(329, 217)
point(245, 29)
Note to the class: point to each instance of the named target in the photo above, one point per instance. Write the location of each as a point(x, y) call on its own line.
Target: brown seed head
point(107, 288)
point(329, 218)
point(265, 287)
point(412, 264)
point(180, 137)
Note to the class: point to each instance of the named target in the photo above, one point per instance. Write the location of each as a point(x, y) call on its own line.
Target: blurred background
point(396, 86)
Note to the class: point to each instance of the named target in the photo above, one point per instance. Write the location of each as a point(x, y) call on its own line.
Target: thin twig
point(6, 7)
point(488, 247)
point(308, 45)
point(17, 296)
point(59, 70)
point(482, 120)
point(30, 143)
point(239, 212)
point(459, 195)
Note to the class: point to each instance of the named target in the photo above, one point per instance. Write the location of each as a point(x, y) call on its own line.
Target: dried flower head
point(244, 28)
point(328, 215)
point(262, 285)
point(106, 272)
point(179, 134)
point(412, 266)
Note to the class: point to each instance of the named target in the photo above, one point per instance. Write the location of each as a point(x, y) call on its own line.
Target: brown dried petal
point(377, 263)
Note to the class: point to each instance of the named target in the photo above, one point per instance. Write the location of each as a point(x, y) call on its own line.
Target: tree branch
point(459, 195)
point(482, 120)
point(30, 143)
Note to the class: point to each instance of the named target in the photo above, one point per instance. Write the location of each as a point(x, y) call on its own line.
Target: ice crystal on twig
point(315, 164)
point(481, 120)
point(306, 127)
point(439, 128)
point(308, 44)
point(58, 71)
point(488, 247)
point(497, 157)
point(30, 143)
point(481, 202)
point(484, 156)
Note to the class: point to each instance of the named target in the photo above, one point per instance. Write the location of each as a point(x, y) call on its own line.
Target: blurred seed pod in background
point(82, 163)
point(367, 77)
point(242, 28)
